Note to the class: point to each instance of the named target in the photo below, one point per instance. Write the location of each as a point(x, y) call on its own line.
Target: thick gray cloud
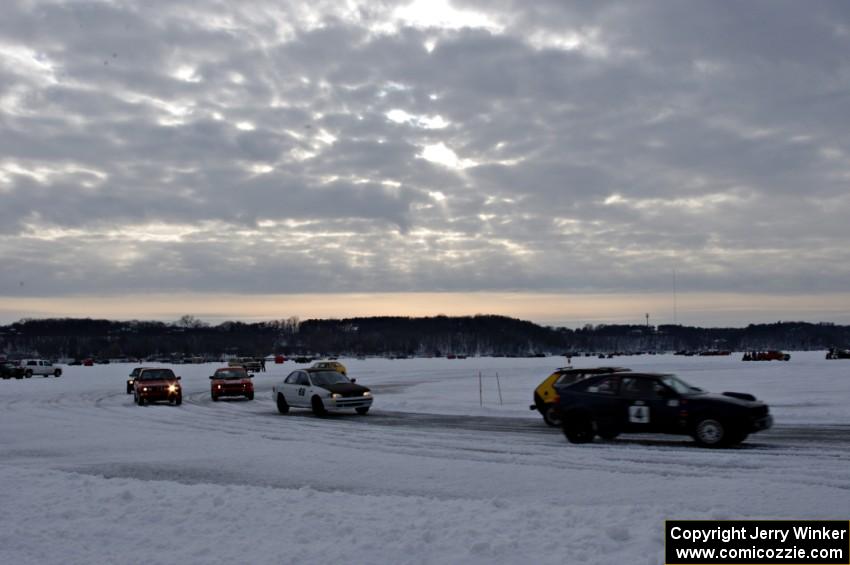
point(262, 148)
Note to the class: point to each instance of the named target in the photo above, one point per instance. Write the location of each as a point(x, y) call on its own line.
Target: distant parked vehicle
point(836, 353)
point(771, 355)
point(232, 381)
point(40, 367)
point(249, 363)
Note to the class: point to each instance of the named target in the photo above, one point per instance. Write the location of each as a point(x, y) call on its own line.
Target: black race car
point(9, 370)
point(608, 405)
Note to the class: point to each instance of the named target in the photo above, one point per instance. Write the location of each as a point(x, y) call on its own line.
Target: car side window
point(302, 379)
point(606, 385)
point(569, 378)
point(31, 363)
point(633, 387)
point(292, 379)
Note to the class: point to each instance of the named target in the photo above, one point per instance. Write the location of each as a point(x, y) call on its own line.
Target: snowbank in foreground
point(69, 518)
point(88, 477)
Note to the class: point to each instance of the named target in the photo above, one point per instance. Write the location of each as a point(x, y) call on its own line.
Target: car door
point(289, 388)
point(299, 390)
point(596, 395)
point(648, 405)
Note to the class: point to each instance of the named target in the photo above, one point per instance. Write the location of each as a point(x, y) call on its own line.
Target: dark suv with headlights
point(608, 405)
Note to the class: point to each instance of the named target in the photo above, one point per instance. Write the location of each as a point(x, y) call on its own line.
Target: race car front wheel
point(282, 406)
point(318, 407)
point(710, 433)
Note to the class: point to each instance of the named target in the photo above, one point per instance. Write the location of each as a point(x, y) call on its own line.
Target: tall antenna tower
point(675, 313)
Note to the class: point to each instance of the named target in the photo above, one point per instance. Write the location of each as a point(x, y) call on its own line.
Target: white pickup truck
point(40, 367)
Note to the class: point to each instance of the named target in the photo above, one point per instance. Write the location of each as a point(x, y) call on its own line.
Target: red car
point(231, 381)
point(157, 384)
point(771, 355)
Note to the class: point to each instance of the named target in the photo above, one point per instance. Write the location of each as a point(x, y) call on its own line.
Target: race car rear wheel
point(282, 406)
point(552, 416)
point(711, 433)
point(578, 428)
point(28, 373)
point(318, 407)
point(57, 373)
point(250, 396)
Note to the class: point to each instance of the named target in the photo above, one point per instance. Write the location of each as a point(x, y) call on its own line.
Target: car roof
point(599, 370)
point(641, 375)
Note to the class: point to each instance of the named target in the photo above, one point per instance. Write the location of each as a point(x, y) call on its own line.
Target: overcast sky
point(262, 149)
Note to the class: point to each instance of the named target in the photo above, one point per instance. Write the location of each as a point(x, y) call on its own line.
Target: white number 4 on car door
point(639, 414)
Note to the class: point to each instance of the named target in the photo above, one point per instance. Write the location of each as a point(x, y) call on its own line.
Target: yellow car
point(546, 396)
point(330, 366)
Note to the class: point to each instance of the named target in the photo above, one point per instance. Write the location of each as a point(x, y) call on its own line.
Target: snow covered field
point(429, 476)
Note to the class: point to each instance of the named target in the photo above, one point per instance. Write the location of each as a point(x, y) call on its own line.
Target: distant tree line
point(392, 336)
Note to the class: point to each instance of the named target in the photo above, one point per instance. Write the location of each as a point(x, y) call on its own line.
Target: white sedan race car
point(321, 390)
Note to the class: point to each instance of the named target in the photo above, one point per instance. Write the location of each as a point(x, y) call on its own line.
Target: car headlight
point(172, 388)
point(144, 389)
point(367, 393)
point(335, 395)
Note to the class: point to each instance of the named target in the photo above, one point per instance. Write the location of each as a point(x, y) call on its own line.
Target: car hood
point(723, 399)
point(158, 382)
point(346, 389)
point(232, 381)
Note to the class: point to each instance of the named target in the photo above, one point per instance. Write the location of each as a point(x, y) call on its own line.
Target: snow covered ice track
point(427, 476)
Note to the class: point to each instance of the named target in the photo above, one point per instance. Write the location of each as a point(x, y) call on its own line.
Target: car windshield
point(321, 378)
point(231, 374)
point(156, 374)
point(678, 384)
